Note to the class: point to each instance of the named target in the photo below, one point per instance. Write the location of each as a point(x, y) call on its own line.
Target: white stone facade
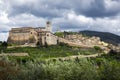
point(28, 35)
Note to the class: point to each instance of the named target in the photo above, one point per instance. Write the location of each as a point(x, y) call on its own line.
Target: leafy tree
point(4, 45)
point(97, 48)
point(59, 34)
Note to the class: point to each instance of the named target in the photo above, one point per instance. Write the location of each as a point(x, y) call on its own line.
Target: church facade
point(30, 35)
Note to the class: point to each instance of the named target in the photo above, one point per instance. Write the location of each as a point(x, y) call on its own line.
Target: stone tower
point(48, 26)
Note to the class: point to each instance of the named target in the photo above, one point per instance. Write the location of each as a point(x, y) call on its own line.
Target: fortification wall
point(18, 38)
point(21, 36)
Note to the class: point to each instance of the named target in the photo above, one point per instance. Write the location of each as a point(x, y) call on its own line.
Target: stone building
point(30, 35)
point(89, 41)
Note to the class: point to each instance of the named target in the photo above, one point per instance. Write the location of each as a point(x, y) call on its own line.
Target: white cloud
point(3, 36)
point(79, 18)
point(82, 23)
point(4, 18)
point(24, 20)
point(104, 15)
point(112, 5)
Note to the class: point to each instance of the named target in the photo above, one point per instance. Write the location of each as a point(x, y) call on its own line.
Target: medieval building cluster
point(44, 35)
point(30, 35)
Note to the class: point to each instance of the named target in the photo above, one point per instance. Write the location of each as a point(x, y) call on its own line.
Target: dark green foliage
point(3, 46)
point(114, 52)
point(82, 69)
point(63, 34)
point(110, 70)
point(8, 70)
point(59, 34)
point(0, 43)
point(36, 67)
point(63, 44)
point(97, 48)
point(61, 50)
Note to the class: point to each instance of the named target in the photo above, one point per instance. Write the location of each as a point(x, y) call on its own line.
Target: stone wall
point(21, 36)
point(18, 38)
point(27, 35)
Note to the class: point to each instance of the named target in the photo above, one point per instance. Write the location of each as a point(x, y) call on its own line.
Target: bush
point(3, 46)
point(63, 44)
point(78, 69)
point(8, 70)
point(110, 70)
point(83, 70)
point(59, 34)
point(97, 48)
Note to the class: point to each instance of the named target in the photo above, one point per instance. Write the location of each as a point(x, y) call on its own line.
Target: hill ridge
point(104, 36)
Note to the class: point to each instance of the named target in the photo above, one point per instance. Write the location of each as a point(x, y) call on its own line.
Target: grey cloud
point(51, 9)
point(40, 9)
point(98, 8)
point(20, 13)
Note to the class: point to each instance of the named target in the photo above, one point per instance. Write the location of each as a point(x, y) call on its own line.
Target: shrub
point(97, 48)
point(62, 44)
point(59, 34)
point(110, 70)
point(78, 69)
point(8, 70)
point(3, 46)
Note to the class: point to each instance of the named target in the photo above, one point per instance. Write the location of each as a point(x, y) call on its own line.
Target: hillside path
point(14, 54)
point(76, 56)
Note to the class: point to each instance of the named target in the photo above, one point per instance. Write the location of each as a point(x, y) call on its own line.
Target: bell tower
point(48, 26)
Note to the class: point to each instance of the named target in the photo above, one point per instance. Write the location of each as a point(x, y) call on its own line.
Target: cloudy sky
point(69, 15)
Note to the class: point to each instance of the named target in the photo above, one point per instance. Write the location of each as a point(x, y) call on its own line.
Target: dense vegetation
point(78, 69)
point(36, 67)
point(62, 34)
point(51, 51)
point(3, 46)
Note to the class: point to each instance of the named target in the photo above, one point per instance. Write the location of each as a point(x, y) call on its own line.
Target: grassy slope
point(51, 51)
point(100, 68)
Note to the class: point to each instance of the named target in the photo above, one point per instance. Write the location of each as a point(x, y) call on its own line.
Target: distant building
point(30, 35)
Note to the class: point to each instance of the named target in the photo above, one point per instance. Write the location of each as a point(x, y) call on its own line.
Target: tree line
point(3, 46)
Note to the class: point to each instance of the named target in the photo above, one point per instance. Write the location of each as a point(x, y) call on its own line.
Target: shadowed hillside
point(105, 36)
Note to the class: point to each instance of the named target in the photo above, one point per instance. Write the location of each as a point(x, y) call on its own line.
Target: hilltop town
point(29, 36)
point(37, 53)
